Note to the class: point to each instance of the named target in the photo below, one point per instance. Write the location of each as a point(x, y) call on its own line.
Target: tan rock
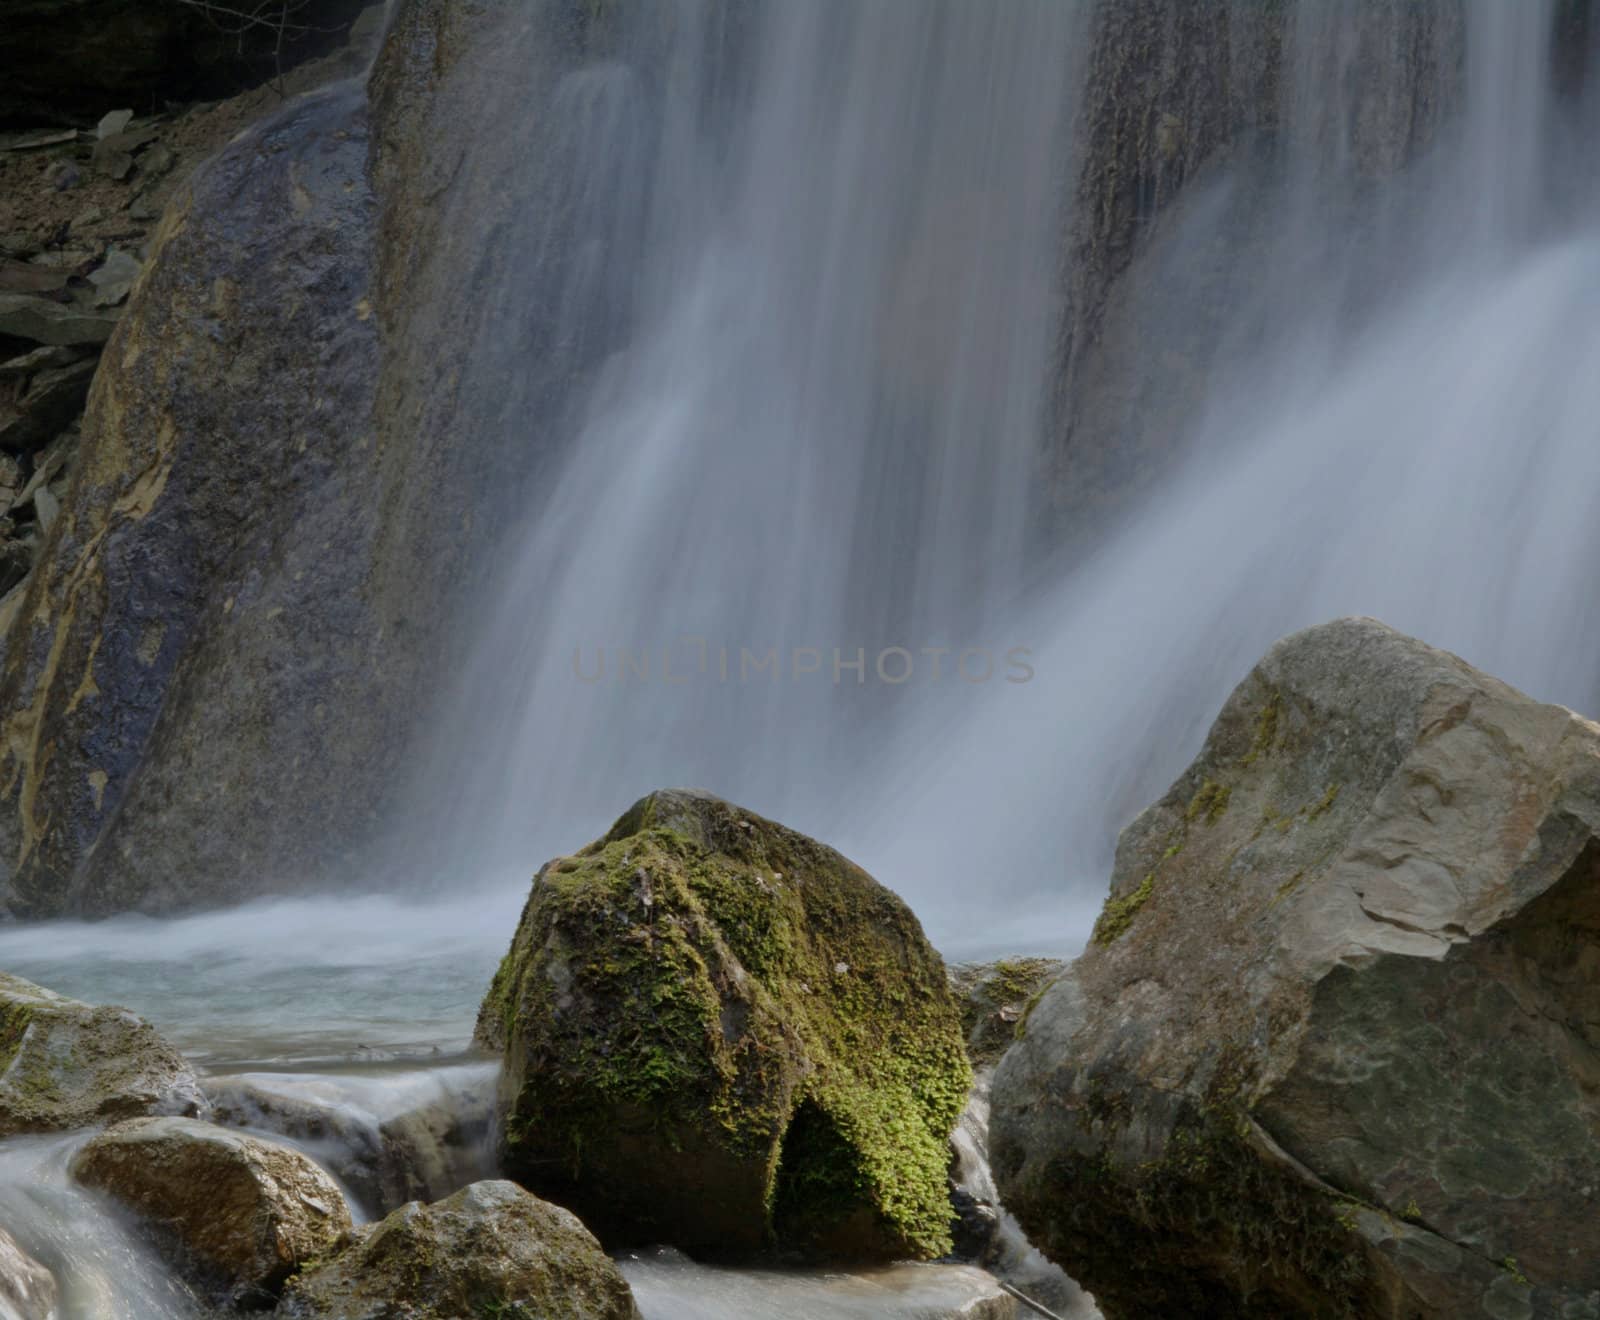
point(239, 1214)
point(64, 1064)
point(491, 1249)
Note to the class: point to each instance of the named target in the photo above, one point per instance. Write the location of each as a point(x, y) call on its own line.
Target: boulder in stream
point(65, 1065)
point(239, 1214)
point(27, 1290)
point(721, 1034)
point(1331, 1050)
point(489, 1250)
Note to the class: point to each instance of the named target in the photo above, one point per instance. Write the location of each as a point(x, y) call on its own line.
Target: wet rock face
point(1188, 108)
point(723, 1035)
point(198, 600)
point(239, 1215)
point(67, 1065)
point(69, 61)
point(490, 1250)
point(251, 567)
point(27, 1290)
point(1329, 1050)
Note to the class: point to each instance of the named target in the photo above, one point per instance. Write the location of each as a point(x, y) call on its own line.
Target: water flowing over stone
point(1287, 303)
point(236, 1214)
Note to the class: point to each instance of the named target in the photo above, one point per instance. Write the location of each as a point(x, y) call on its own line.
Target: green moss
point(1509, 1265)
point(1325, 804)
point(703, 984)
point(1287, 887)
point(1118, 913)
point(1209, 803)
point(1266, 734)
point(14, 1021)
point(1412, 1214)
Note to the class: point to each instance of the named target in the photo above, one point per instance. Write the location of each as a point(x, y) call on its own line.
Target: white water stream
point(821, 434)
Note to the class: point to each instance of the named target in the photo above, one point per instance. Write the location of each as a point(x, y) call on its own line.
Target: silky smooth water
point(831, 282)
point(821, 437)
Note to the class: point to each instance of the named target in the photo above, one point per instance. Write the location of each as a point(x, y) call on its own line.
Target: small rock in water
point(243, 1214)
point(491, 1249)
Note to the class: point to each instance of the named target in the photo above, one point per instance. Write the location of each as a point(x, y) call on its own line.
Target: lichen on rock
point(64, 1064)
point(722, 1034)
point(1327, 1053)
point(490, 1251)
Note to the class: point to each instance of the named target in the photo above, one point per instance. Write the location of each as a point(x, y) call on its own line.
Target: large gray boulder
point(239, 1215)
point(489, 1250)
point(173, 636)
point(1331, 1050)
point(65, 1065)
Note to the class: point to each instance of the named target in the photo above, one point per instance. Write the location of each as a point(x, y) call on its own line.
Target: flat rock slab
point(492, 1249)
point(669, 1286)
point(46, 322)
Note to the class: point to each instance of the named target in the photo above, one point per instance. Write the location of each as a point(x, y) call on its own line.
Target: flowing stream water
point(821, 432)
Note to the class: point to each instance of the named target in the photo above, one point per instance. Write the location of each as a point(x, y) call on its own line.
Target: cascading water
point(816, 272)
point(1405, 431)
point(822, 431)
point(820, 435)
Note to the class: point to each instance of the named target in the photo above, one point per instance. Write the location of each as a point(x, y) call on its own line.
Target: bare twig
point(283, 19)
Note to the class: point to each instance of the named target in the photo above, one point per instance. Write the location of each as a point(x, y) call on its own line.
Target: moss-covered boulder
point(723, 1035)
point(64, 1064)
point(491, 1250)
point(1331, 1051)
point(238, 1215)
point(994, 996)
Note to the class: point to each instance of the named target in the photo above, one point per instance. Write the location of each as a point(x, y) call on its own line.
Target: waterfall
point(814, 440)
point(819, 433)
